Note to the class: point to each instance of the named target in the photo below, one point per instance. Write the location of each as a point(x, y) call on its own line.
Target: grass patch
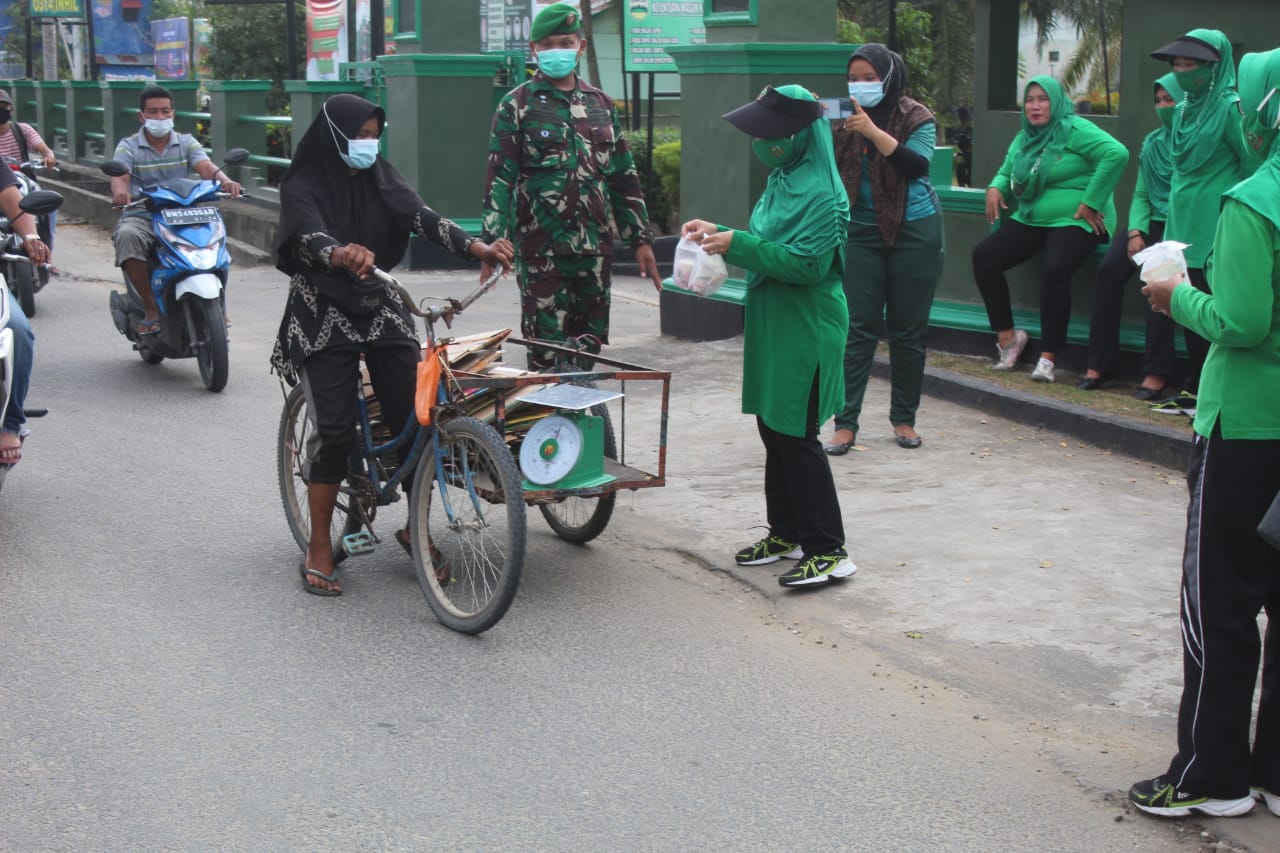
point(1114, 398)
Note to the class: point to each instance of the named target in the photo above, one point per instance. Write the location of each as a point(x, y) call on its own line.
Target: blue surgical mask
point(361, 153)
point(158, 127)
point(868, 94)
point(557, 63)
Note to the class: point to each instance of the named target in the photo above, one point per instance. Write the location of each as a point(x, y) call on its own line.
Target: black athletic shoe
point(1158, 796)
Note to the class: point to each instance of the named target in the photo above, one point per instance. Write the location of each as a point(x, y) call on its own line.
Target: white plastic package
point(696, 271)
point(1163, 262)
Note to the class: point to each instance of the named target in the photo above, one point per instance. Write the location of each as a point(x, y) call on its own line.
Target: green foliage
point(249, 44)
point(1095, 65)
point(666, 168)
point(663, 203)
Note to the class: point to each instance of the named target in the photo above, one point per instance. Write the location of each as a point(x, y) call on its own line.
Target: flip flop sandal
point(148, 327)
point(303, 571)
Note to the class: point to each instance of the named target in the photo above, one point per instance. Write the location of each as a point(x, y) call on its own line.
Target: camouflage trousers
point(563, 297)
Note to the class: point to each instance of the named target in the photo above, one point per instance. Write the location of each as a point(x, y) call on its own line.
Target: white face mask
point(159, 126)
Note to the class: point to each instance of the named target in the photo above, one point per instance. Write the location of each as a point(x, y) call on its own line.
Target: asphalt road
point(165, 684)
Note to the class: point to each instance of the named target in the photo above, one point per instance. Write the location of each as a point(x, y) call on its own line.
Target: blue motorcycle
point(188, 273)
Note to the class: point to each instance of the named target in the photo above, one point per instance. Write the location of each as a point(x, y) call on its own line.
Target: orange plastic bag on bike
point(429, 369)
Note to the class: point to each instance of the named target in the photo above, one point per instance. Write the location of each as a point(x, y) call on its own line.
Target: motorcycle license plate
point(188, 215)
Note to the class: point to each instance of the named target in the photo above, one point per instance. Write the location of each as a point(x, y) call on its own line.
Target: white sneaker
point(1272, 800)
point(1043, 371)
point(1007, 357)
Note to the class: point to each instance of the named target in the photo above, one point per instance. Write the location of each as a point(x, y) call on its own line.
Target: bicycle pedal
point(361, 542)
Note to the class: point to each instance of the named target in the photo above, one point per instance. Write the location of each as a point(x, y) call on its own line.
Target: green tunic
point(1087, 172)
point(1195, 197)
point(1241, 319)
point(795, 326)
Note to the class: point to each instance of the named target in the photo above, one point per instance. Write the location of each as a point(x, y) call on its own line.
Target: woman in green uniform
point(1147, 213)
point(796, 322)
point(1208, 159)
point(1059, 176)
point(1229, 573)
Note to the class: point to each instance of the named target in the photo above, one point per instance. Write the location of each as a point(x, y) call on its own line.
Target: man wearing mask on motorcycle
point(155, 155)
point(12, 429)
point(559, 170)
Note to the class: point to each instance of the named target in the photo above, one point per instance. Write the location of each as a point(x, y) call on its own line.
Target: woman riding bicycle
point(344, 210)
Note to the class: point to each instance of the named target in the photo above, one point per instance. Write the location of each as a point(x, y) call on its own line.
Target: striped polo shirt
point(151, 168)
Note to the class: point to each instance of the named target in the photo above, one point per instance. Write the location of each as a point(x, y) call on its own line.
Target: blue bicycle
point(466, 510)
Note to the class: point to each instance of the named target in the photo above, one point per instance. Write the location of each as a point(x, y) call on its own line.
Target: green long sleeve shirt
point(795, 324)
point(1087, 173)
point(1241, 319)
point(1196, 197)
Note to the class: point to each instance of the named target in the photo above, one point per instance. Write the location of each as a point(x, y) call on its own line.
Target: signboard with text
point(171, 40)
point(651, 26)
point(55, 8)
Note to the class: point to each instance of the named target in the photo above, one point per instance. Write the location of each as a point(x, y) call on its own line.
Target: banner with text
point(649, 27)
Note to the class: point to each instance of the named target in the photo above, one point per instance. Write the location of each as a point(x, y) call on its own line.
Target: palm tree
point(1097, 24)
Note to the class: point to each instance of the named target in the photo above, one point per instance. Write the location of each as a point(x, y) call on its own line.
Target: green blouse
point(1087, 172)
point(1195, 197)
point(1241, 319)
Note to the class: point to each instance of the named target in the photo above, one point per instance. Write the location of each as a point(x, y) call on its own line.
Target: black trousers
point(330, 381)
point(799, 491)
point(1013, 243)
point(1114, 274)
point(1228, 575)
point(1197, 347)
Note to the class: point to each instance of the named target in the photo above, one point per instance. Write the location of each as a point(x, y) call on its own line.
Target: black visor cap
point(773, 115)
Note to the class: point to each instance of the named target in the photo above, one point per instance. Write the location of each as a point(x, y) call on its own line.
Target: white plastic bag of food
point(1163, 262)
point(696, 271)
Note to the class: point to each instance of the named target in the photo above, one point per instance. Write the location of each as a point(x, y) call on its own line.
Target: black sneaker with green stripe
point(1159, 796)
point(770, 549)
point(819, 568)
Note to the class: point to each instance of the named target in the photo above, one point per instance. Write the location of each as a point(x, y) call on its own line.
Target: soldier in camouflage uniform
point(561, 180)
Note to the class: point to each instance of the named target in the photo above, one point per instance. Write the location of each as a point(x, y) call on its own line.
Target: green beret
point(558, 19)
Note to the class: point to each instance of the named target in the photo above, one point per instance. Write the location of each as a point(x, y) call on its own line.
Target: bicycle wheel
point(577, 519)
point(467, 520)
point(291, 442)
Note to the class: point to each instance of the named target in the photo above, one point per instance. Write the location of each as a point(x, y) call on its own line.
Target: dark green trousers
point(889, 287)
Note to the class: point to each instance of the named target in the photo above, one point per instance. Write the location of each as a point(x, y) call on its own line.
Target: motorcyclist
point(155, 155)
point(21, 142)
point(23, 338)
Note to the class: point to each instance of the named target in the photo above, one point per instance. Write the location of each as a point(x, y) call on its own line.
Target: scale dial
point(551, 448)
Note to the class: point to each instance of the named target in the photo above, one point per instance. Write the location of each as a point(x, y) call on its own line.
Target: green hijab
point(1041, 146)
point(1200, 122)
point(1259, 75)
point(804, 207)
point(1155, 162)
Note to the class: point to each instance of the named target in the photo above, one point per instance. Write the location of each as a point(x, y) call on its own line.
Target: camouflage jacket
point(559, 171)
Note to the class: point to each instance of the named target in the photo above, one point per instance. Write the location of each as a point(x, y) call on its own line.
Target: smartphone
point(838, 109)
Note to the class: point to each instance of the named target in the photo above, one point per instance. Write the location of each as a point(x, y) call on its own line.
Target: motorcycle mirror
point(236, 155)
point(115, 168)
point(41, 202)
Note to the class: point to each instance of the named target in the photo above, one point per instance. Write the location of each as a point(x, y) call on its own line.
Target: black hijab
point(374, 207)
point(892, 72)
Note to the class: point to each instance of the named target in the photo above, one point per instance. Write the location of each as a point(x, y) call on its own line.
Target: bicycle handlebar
point(447, 312)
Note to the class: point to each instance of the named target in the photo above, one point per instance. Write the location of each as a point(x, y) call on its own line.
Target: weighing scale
point(565, 450)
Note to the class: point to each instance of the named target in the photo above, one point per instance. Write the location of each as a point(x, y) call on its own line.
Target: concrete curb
point(1160, 445)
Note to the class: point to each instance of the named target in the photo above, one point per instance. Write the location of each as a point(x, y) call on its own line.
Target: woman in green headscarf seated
point(1147, 213)
point(1208, 159)
point(1229, 572)
point(796, 321)
point(1057, 179)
